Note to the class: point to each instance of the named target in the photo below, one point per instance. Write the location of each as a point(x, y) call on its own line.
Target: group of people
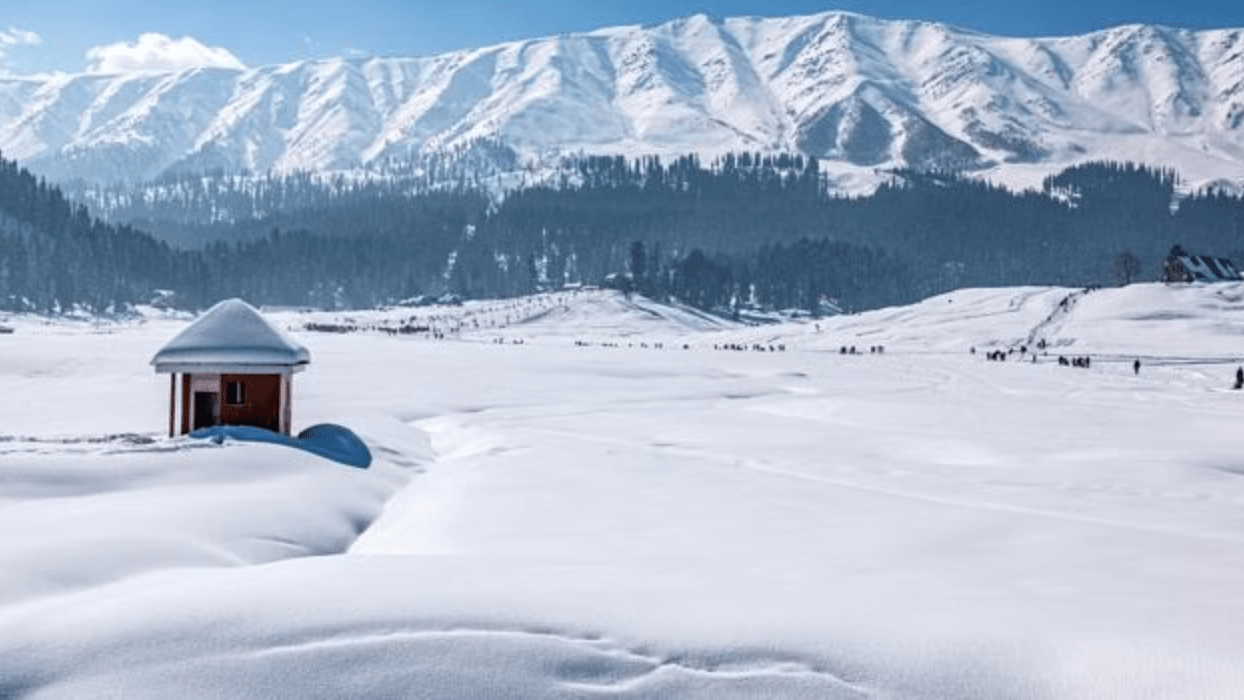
point(731, 347)
point(1085, 362)
point(755, 347)
point(872, 350)
point(1004, 355)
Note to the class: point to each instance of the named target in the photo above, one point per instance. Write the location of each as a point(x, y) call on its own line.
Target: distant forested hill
point(54, 255)
point(742, 230)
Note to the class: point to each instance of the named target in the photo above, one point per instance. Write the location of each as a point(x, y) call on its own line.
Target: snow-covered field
point(578, 496)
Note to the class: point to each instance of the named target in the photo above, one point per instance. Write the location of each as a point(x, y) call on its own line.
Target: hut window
point(235, 393)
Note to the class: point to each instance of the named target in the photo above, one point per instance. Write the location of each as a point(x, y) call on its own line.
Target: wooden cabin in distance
point(1179, 266)
point(235, 369)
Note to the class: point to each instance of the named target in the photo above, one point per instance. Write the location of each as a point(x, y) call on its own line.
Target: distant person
point(1239, 378)
point(1136, 366)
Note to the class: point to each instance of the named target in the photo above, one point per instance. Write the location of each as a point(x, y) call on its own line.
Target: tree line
point(744, 230)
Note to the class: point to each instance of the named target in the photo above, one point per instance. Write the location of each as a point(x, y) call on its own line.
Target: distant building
point(1179, 266)
point(236, 369)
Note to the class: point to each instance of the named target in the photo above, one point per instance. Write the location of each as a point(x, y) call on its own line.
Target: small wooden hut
point(1179, 266)
point(235, 369)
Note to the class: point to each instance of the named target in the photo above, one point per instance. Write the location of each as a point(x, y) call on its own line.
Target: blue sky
point(45, 35)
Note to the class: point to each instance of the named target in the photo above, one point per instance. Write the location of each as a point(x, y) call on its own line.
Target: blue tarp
point(326, 440)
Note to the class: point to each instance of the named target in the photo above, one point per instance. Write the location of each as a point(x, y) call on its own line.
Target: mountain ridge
point(857, 92)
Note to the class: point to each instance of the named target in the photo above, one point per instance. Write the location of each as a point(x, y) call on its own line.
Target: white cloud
point(15, 37)
point(18, 37)
point(157, 52)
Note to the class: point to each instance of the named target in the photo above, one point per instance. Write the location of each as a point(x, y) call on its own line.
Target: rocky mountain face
point(860, 93)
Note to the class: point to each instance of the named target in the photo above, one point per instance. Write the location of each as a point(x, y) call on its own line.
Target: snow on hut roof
point(231, 337)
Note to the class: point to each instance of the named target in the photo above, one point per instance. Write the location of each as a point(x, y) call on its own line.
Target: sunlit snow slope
point(581, 496)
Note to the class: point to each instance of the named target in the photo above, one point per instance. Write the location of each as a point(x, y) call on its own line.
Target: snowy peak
point(855, 90)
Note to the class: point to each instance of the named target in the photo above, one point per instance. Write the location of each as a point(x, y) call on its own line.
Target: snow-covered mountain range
point(860, 93)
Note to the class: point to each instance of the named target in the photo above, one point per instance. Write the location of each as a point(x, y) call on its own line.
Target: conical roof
point(231, 337)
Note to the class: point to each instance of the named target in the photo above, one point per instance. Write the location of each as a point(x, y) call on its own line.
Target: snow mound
point(92, 519)
point(584, 313)
point(1146, 320)
point(613, 314)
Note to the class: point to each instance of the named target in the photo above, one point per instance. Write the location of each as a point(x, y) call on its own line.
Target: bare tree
point(1126, 267)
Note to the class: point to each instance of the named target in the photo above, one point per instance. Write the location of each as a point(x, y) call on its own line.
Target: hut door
point(206, 409)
